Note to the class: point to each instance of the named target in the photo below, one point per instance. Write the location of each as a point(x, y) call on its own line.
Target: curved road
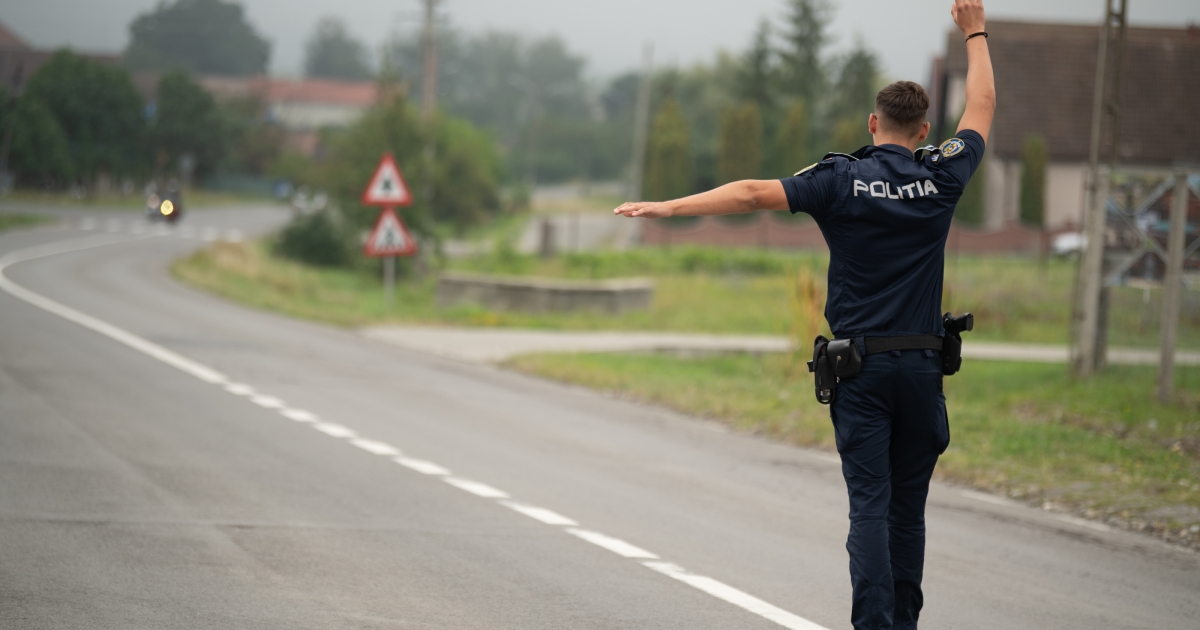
point(171, 460)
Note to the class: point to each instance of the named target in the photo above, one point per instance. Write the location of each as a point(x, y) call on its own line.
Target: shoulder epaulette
point(831, 155)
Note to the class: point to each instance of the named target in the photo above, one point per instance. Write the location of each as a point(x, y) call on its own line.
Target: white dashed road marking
point(708, 585)
point(421, 466)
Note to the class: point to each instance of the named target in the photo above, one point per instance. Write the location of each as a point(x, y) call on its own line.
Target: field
point(697, 290)
point(1100, 449)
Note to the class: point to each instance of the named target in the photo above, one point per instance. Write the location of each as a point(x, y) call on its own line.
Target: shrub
point(315, 239)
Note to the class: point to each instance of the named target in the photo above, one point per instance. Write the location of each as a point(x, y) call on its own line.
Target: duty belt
point(875, 345)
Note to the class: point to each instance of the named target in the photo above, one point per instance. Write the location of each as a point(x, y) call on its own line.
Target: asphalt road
point(171, 460)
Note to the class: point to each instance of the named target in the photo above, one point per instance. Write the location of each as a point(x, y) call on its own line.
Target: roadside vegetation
point(10, 221)
point(1100, 449)
point(697, 290)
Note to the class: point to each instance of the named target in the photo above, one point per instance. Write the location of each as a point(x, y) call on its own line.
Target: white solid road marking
point(548, 517)
point(210, 234)
point(87, 224)
point(421, 466)
point(375, 446)
point(476, 488)
point(615, 545)
point(114, 225)
point(732, 595)
point(299, 415)
point(234, 236)
point(335, 430)
point(208, 375)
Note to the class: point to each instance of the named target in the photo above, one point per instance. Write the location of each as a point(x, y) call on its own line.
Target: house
point(1045, 83)
point(301, 106)
point(19, 60)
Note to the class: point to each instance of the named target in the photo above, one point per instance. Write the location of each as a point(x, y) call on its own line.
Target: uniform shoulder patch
point(952, 147)
point(806, 169)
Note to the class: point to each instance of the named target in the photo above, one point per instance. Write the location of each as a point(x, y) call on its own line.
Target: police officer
point(885, 213)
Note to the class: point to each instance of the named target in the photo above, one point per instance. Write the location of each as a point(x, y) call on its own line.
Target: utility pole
point(429, 51)
point(428, 110)
point(1106, 106)
point(1171, 289)
point(641, 124)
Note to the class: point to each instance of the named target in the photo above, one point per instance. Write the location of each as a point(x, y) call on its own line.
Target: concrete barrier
point(543, 295)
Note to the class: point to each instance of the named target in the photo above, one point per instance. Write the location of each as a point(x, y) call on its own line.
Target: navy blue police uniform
point(885, 215)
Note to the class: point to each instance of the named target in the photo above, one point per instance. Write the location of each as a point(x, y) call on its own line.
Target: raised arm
point(981, 86)
point(747, 195)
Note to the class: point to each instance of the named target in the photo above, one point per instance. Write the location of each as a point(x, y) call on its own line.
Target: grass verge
point(10, 221)
point(698, 290)
point(1100, 448)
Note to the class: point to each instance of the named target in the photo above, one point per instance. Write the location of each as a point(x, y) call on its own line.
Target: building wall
point(1002, 190)
point(306, 116)
point(1064, 195)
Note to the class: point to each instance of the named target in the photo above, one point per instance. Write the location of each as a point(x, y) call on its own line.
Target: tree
point(465, 176)
point(187, 121)
point(669, 155)
point(1034, 159)
point(740, 154)
point(97, 110)
point(804, 38)
point(203, 36)
point(757, 76)
point(39, 154)
point(332, 53)
point(793, 145)
point(854, 99)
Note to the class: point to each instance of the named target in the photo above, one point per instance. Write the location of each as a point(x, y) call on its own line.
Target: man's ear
point(873, 123)
point(924, 133)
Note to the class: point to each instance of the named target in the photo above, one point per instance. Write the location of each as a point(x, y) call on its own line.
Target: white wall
point(1064, 194)
point(1002, 189)
point(304, 116)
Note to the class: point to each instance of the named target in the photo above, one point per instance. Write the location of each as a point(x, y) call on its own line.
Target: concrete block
point(544, 295)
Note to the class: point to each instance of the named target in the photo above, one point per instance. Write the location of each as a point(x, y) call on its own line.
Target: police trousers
point(890, 425)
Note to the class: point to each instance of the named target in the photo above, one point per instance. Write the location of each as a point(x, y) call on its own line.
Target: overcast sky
point(609, 33)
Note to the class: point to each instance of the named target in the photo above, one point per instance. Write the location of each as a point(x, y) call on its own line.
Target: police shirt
point(885, 217)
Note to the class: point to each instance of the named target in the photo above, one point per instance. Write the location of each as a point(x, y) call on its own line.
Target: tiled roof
point(1045, 78)
point(9, 39)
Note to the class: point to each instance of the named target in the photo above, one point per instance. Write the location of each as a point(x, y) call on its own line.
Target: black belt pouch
point(845, 357)
point(822, 369)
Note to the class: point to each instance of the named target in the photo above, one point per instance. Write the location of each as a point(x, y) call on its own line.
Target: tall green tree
point(669, 154)
point(332, 53)
point(740, 155)
point(854, 99)
point(187, 122)
point(38, 155)
point(793, 144)
point(757, 76)
point(805, 36)
point(1034, 159)
point(203, 36)
point(97, 110)
point(465, 174)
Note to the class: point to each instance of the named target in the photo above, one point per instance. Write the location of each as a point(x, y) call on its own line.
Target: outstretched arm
point(747, 195)
point(981, 86)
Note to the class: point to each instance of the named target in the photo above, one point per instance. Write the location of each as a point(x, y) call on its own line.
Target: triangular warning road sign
point(387, 187)
point(389, 237)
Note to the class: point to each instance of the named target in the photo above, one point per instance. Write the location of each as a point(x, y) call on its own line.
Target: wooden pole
point(641, 124)
point(1171, 290)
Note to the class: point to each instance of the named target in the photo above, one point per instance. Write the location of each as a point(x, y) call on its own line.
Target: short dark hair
point(902, 106)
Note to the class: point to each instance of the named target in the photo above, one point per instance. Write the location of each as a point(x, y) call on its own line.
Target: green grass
point(1099, 448)
point(10, 221)
point(697, 290)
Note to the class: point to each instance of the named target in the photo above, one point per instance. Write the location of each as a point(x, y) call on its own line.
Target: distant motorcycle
point(167, 208)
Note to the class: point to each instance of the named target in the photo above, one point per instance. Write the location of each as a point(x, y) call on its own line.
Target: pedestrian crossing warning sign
point(389, 237)
point(387, 187)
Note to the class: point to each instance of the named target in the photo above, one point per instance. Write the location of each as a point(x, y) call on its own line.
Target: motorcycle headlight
point(167, 207)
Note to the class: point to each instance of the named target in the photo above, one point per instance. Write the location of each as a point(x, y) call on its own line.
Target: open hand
point(644, 209)
point(968, 15)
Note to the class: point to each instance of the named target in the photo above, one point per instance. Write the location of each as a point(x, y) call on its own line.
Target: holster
point(952, 342)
